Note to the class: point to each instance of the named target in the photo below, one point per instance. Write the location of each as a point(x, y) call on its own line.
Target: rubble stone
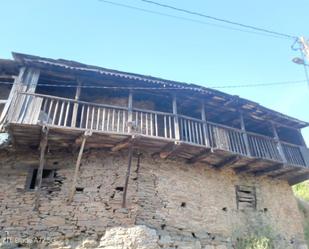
point(169, 204)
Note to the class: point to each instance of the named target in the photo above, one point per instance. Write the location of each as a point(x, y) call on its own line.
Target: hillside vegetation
point(301, 190)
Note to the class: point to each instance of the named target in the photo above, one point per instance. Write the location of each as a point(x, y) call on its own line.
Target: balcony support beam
point(77, 165)
point(43, 146)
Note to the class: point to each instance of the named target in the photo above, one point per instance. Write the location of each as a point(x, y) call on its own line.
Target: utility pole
point(304, 49)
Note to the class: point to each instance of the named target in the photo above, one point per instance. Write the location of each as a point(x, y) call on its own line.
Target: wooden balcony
point(164, 134)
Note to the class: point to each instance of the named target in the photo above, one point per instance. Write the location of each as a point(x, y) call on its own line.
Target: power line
point(280, 83)
point(220, 19)
point(190, 19)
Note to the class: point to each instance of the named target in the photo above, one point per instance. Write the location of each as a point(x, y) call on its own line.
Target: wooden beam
point(77, 166)
point(268, 170)
point(169, 149)
point(298, 178)
point(227, 162)
point(200, 156)
point(43, 145)
point(125, 143)
point(124, 197)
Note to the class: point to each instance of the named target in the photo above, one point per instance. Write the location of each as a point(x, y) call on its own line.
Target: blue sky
point(101, 34)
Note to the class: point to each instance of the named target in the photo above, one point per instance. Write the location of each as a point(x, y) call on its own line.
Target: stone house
point(98, 158)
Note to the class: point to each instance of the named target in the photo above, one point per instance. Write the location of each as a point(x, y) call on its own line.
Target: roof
point(253, 108)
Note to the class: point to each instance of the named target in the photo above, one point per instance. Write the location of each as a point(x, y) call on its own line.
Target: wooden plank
point(43, 145)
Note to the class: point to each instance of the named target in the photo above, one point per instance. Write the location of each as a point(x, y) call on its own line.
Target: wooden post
point(303, 142)
point(130, 111)
point(77, 166)
point(176, 123)
point(277, 139)
point(43, 145)
point(127, 176)
point(245, 135)
point(75, 106)
point(205, 128)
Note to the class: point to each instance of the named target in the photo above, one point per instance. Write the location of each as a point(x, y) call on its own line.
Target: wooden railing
point(191, 130)
point(293, 154)
point(227, 138)
point(152, 123)
point(263, 146)
point(32, 108)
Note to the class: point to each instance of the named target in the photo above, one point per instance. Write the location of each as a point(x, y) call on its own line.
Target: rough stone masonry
point(170, 204)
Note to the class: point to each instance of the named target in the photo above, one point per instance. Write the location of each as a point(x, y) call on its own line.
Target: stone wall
point(173, 204)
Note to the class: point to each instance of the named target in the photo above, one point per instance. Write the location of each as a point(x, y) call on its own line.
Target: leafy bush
point(301, 190)
point(254, 242)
